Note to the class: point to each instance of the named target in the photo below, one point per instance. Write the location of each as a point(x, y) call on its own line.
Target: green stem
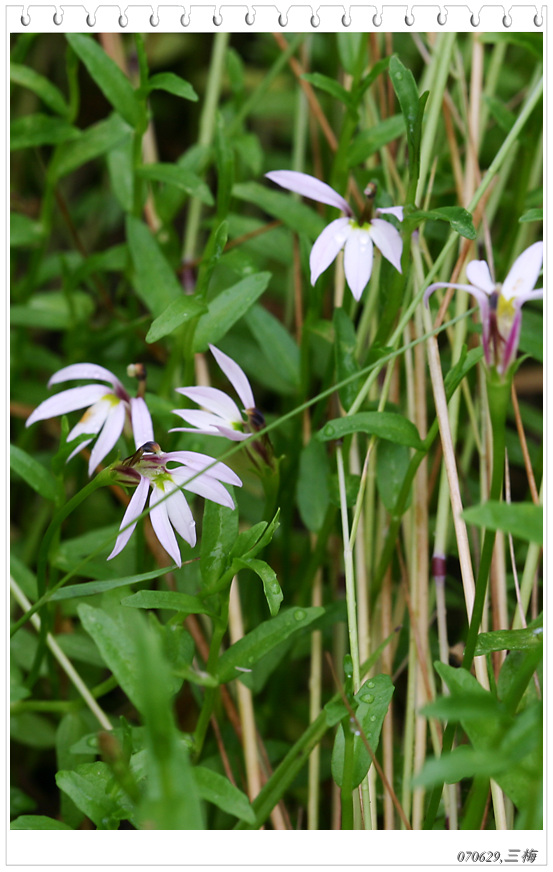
point(349, 573)
point(219, 630)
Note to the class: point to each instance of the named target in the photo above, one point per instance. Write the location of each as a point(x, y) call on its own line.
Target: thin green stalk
point(206, 133)
point(219, 630)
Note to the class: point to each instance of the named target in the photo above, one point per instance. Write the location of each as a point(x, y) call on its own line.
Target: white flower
point(148, 468)
point(500, 305)
point(356, 238)
point(221, 417)
point(110, 410)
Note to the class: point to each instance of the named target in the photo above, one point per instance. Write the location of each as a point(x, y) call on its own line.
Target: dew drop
point(299, 615)
point(370, 684)
point(373, 717)
point(367, 697)
point(329, 430)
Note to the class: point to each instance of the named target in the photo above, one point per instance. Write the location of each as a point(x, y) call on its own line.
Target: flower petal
point(358, 260)
point(197, 462)
point(396, 211)
point(181, 517)
point(134, 509)
point(142, 427)
point(206, 487)
point(309, 186)
point(236, 376)
point(86, 370)
point(109, 435)
point(215, 401)
point(67, 401)
point(161, 524)
point(199, 419)
point(93, 419)
point(524, 273)
point(480, 295)
point(79, 447)
point(478, 274)
point(388, 240)
point(327, 246)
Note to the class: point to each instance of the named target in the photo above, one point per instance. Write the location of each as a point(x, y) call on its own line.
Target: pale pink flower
point(110, 410)
point(149, 468)
point(500, 305)
point(220, 415)
point(357, 238)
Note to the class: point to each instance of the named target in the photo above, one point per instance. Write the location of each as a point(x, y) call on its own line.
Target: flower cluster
point(112, 411)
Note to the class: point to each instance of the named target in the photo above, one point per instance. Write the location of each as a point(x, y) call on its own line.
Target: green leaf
point(345, 354)
point(227, 308)
point(219, 533)
point(296, 215)
point(212, 253)
point(312, 485)
point(155, 281)
point(166, 599)
point(459, 219)
point(276, 344)
point(271, 587)
point(391, 468)
point(38, 129)
point(20, 802)
point(53, 310)
point(370, 141)
point(179, 177)
point(33, 472)
point(180, 311)
point(42, 87)
point(88, 786)
point(332, 87)
point(386, 425)
point(349, 47)
point(116, 648)
point(113, 83)
point(412, 108)
point(531, 334)
point(170, 800)
point(504, 117)
point(251, 542)
point(509, 640)
point(259, 641)
point(531, 215)
point(523, 520)
point(373, 701)
point(24, 232)
point(96, 140)
point(459, 370)
point(37, 822)
point(173, 84)
point(217, 789)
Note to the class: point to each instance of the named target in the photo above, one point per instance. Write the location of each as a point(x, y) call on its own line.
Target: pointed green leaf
point(386, 425)
point(166, 599)
point(217, 789)
point(41, 86)
point(155, 280)
point(227, 308)
point(37, 822)
point(179, 177)
point(180, 311)
point(523, 520)
point(33, 472)
point(113, 83)
point(271, 587)
point(33, 130)
point(173, 84)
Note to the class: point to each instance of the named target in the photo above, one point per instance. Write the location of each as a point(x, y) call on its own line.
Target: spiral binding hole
point(377, 19)
point(409, 20)
point(90, 20)
point(250, 18)
point(25, 20)
point(346, 22)
point(58, 18)
point(538, 21)
point(217, 20)
point(315, 21)
point(282, 20)
point(474, 20)
point(507, 21)
point(185, 19)
point(123, 21)
point(442, 18)
point(154, 20)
